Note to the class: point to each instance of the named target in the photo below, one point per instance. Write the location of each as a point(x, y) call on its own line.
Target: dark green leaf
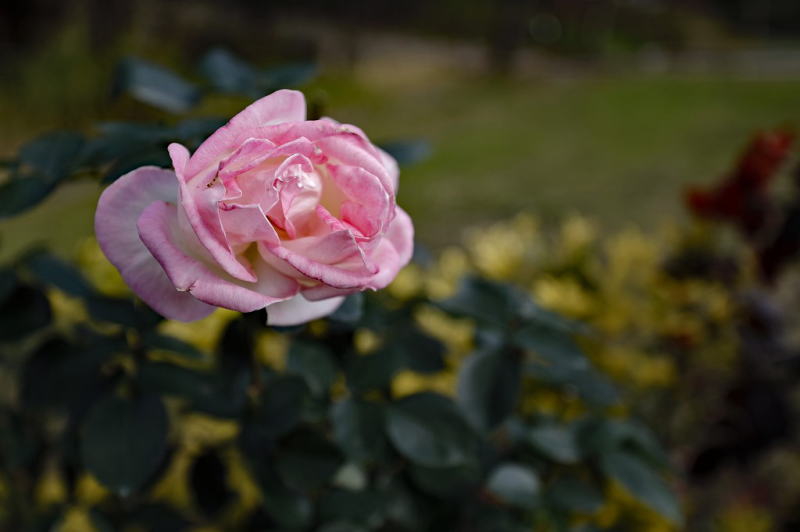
point(21, 193)
point(147, 156)
point(228, 73)
point(427, 429)
point(491, 303)
point(60, 375)
point(358, 428)
point(51, 270)
point(153, 340)
point(351, 506)
point(124, 441)
point(446, 481)
point(306, 461)
point(559, 443)
point(53, 156)
point(373, 371)
point(351, 310)
point(642, 482)
point(551, 346)
point(286, 76)
point(220, 393)
point(488, 386)
point(121, 311)
point(599, 436)
point(408, 152)
point(516, 485)
point(574, 495)
point(422, 353)
point(313, 363)
point(155, 85)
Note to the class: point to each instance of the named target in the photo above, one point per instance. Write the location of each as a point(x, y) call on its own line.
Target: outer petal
point(391, 166)
point(115, 226)
point(280, 106)
point(395, 250)
point(158, 230)
point(299, 310)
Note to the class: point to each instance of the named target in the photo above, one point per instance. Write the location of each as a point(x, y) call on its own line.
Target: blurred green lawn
point(617, 149)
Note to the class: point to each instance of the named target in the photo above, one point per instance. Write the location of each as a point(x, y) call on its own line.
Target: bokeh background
point(600, 107)
point(553, 142)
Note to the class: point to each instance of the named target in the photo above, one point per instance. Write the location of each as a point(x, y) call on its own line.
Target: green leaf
point(122, 311)
point(551, 346)
point(228, 73)
point(516, 485)
point(155, 85)
point(488, 387)
point(358, 429)
point(427, 429)
point(53, 156)
point(61, 375)
point(279, 411)
point(446, 481)
point(559, 443)
point(373, 371)
point(124, 441)
point(286, 76)
point(490, 303)
point(306, 460)
point(146, 156)
point(314, 363)
point(574, 495)
point(422, 353)
point(408, 152)
point(642, 482)
point(153, 340)
point(21, 193)
point(51, 270)
point(220, 393)
point(351, 506)
point(351, 310)
point(599, 436)
point(590, 385)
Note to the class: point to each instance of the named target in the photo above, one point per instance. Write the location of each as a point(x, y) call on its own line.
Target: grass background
point(618, 149)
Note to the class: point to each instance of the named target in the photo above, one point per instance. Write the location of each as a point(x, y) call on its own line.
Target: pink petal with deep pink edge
point(158, 229)
point(118, 210)
point(299, 310)
point(280, 106)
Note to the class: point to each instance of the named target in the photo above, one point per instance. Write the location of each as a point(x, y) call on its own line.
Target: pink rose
point(272, 210)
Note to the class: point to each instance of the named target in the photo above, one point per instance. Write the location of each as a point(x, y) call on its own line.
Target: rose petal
point(115, 226)
point(201, 210)
point(158, 229)
point(280, 106)
point(392, 168)
point(394, 251)
point(299, 310)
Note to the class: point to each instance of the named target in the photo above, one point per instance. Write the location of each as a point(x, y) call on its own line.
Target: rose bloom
point(272, 211)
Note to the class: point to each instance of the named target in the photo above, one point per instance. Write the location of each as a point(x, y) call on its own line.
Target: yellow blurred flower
point(408, 382)
point(203, 334)
point(271, 349)
point(101, 273)
point(744, 517)
point(408, 283)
